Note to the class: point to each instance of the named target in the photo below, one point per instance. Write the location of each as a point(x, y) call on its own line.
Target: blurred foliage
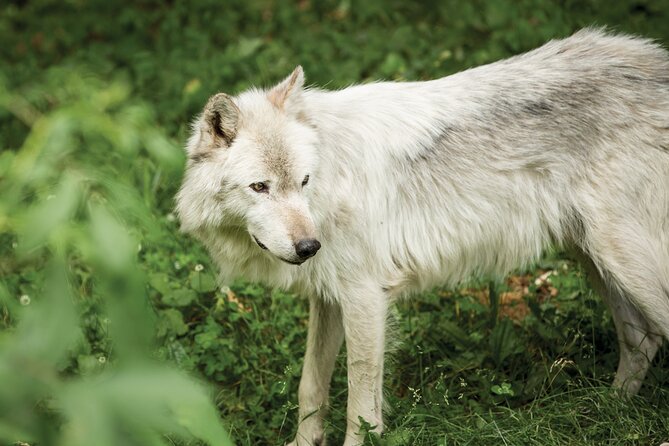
point(77, 339)
point(99, 290)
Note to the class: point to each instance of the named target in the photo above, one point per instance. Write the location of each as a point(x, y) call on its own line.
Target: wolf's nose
point(307, 247)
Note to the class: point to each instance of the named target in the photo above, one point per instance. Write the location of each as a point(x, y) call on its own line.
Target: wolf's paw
point(317, 440)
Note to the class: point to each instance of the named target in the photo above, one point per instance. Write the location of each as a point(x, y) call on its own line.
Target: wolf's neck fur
point(368, 118)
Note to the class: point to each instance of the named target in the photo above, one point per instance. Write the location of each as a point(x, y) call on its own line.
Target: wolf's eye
point(305, 180)
point(259, 187)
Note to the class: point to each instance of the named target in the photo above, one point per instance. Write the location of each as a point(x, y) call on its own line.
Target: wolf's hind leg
point(324, 340)
point(637, 339)
point(639, 336)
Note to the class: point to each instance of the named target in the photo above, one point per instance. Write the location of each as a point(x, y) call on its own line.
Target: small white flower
point(199, 267)
point(25, 300)
point(544, 278)
point(177, 265)
point(446, 398)
point(102, 359)
point(15, 245)
point(139, 247)
point(171, 217)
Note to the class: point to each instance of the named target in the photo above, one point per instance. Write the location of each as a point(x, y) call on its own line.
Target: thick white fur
point(417, 184)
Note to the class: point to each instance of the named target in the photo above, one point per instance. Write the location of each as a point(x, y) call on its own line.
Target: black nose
point(307, 247)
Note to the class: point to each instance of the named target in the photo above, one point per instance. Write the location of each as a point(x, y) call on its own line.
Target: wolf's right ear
point(216, 127)
point(221, 117)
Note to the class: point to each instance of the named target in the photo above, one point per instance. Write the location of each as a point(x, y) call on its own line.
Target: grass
point(95, 100)
point(543, 380)
point(585, 415)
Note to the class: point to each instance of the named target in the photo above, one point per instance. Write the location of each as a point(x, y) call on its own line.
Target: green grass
point(585, 415)
point(95, 101)
point(444, 366)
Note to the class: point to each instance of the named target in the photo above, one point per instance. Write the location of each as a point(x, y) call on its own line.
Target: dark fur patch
point(432, 150)
point(216, 122)
point(635, 74)
point(569, 104)
point(198, 157)
point(538, 108)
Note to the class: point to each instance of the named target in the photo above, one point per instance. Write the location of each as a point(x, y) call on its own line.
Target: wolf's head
point(252, 162)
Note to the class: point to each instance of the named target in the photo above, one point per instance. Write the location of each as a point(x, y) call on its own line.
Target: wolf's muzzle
point(307, 247)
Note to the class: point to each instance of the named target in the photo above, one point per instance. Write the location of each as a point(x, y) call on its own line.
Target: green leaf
point(164, 150)
point(160, 282)
point(246, 47)
point(392, 65)
point(179, 298)
point(87, 364)
point(97, 409)
point(504, 341)
point(455, 334)
point(115, 247)
point(49, 216)
point(171, 321)
point(504, 389)
point(202, 282)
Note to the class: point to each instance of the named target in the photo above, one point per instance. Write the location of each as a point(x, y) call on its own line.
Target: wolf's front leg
point(324, 341)
point(364, 319)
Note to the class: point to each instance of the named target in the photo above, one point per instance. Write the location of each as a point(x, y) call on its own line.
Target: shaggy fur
point(415, 184)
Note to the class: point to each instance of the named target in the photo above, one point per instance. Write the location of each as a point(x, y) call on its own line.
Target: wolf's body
point(417, 184)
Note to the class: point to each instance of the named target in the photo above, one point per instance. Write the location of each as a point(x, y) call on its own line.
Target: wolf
point(358, 197)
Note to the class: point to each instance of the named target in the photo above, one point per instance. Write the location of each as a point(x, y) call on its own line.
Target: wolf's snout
point(307, 247)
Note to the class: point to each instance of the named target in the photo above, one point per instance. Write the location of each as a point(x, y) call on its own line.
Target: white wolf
point(408, 185)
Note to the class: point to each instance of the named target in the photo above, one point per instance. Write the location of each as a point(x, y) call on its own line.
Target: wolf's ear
point(221, 117)
point(288, 90)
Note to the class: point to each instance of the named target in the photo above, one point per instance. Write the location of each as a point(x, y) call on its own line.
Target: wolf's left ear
point(287, 91)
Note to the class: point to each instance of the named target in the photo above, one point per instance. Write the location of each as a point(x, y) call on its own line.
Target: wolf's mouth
point(299, 262)
point(259, 243)
point(292, 262)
